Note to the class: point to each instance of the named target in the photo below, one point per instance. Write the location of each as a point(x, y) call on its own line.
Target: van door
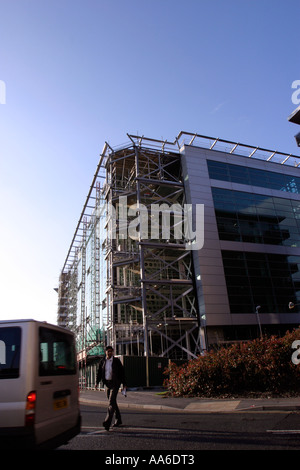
point(57, 396)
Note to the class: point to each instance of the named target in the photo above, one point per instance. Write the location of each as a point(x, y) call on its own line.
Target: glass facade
point(252, 176)
point(252, 279)
point(256, 218)
point(268, 280)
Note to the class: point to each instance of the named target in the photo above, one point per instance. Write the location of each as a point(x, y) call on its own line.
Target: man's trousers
point(112, 392)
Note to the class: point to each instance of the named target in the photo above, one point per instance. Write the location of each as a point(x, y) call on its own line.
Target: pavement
point(156, 399)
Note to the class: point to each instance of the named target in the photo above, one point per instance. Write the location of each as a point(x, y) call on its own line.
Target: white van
point(39, 402)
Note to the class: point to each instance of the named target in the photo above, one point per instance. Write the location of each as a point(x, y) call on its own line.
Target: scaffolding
point(79, 292)
point(152, 307)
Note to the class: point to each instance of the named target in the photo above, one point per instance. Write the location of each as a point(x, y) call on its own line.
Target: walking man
point(111, 373)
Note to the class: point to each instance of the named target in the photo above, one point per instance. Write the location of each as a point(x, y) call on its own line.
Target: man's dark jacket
point(118, 375)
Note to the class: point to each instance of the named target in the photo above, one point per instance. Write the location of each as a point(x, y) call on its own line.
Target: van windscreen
point(10, 346)
point(57, 353)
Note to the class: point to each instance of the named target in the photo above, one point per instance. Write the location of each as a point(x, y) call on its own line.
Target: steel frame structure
point(152, 307)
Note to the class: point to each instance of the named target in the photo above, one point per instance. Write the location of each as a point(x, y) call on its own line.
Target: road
point(182, 433)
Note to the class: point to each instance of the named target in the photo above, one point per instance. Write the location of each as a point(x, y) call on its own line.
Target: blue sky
point(82, 72)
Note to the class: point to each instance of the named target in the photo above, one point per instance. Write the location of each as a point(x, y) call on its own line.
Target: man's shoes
point(106, 426)
point(117, 424)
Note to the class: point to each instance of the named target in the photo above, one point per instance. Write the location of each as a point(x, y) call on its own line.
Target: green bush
point(263, 365)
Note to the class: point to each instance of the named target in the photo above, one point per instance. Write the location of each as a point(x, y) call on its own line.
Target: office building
point(183, 246)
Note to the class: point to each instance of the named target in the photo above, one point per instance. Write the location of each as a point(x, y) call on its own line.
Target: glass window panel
point(257, 177)
point(293, 184)
point(219, 175)
point(293, 260)
point(254, 262)
point(255, 173)
point(228, 222)
point(241, 299)
point(282, 272)
point(239, 195)
point(297, 215)
point(225, 214)
point(234, 237)
point(237, 280)
point(284, 212)
point(269, 240)
point(212, 164)
point(282, 202)
point(241, 308)
point(285, 220)
point(240, 271)
point(287, 224)
point(277, 179)
point(260, 181)
point(295, 236)
point(239, 175)
point(238, 170)
point(222, 171)
point(233, 255)
point(255, 256)
point(271, 292)
point(218, 170)
point(278, 260)
point(239, 180)
point(247, 238)
point(292, 230)
point(266, 220)
point(243, 204)
point(236, 291)
point(250, 213)
point(266, 213)
point(262, 198)
point(277, 184)
point(264, 205)
point(233, 263)
point(260, 284)
point(219, 193)
point(216, 191)
point(258, 272)
point(253, 176)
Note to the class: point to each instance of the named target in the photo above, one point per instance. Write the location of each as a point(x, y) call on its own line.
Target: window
point(57, 353)
point(268, 280)
point(252, 176)
point(10, 345)
point(256, 218)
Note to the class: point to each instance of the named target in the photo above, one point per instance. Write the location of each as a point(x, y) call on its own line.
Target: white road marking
point(94, 430)
point(284, 431)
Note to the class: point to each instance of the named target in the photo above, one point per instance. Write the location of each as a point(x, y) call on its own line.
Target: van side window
point(57, 353)
point(10, 346)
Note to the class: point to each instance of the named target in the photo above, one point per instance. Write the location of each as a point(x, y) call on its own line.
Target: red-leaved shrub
point(263, 365)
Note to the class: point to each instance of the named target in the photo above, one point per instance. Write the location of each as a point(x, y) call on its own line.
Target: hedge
point(260, 366)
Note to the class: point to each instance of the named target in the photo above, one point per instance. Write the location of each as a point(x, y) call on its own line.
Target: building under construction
point(138, 278)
